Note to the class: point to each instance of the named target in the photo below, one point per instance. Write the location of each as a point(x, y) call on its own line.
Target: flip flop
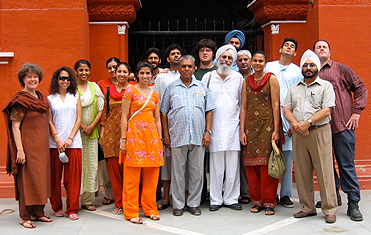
point(154, 217)
point(117, 211)
point(136, 220)
point(44, 219)
point(6, 211)
point(27, 224)
point(89, 207)
point(107, 201)
point(73, 216)
point(60, 214)
point(163, 206)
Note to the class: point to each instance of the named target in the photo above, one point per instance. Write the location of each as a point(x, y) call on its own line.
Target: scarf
point(256, 86)
point(117, 96)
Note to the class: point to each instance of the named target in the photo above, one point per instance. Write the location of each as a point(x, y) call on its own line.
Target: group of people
point(166, 128)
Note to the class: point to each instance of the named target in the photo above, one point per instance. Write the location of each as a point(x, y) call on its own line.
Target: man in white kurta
point(225, 86)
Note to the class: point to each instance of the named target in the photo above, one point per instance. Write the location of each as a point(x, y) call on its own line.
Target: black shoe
point(319, 203)
point(353, 211)
point(178, 212)
point(244, 200)
point(214, 207)
point(235, 206)
point(277, 199)
point(194, 210)
point(286, 202)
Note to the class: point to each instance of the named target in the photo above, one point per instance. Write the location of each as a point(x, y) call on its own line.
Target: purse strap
point(275, 148)
point(144, 105)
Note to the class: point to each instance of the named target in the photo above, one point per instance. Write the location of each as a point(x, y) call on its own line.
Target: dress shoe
point(178, 212)
point(194, 210)
point(286, 202)
point(330, 219)
point(302, 214)
point(235, 206)
point(353, 211)
point(214, 207)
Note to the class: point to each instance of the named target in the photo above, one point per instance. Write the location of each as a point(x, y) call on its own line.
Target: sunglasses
point(62, 78)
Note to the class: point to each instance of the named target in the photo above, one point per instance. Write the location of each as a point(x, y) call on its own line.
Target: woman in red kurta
point(27, 121)
point(260, 124)
point(141, 140)
point(111, 133)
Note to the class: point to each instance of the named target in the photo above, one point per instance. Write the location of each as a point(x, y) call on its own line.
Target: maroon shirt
point(345, 82)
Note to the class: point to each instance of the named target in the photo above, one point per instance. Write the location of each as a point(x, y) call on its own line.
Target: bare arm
point(125, 107)
point(158, 120)
point(21, 157)
point(165, 128)
point(209, 120)
point(243, 111)
point(275, 99)
point(76, 127)
point(53, 131)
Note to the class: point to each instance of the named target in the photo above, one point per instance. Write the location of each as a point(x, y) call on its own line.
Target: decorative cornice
point(345, 2)
point(281, 12)
point(112, 13)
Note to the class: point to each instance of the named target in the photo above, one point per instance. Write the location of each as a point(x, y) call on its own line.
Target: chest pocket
point(198, 100)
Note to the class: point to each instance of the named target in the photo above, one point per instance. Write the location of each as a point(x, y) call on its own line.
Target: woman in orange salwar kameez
point(141, 141)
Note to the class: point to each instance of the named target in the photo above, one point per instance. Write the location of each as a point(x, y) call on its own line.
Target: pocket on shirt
point(199, 100)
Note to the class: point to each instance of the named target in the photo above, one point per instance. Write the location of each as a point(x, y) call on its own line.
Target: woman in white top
point(65, 120)
point(92, 102)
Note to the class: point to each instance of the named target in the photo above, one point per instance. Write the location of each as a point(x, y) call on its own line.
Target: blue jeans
point(344, 148)
point(286, 181)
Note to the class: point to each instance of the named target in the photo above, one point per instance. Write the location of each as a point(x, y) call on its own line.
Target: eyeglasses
point(62, 78)
point(243, 59)
point(224, 57)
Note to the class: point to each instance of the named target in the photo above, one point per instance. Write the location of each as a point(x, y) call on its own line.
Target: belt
point(316, 127)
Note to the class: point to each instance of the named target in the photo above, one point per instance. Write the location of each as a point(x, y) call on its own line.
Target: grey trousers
point(193, 157)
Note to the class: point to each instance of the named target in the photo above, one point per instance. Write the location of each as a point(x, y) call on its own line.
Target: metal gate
point(186, 33)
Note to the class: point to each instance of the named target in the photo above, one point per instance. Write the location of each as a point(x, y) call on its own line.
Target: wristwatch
point(310, 121)
point(208, 131)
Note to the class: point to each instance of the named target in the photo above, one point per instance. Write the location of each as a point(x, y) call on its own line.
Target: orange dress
point(144, 146)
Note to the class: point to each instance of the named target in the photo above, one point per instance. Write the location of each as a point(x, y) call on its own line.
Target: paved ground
point(224, 221)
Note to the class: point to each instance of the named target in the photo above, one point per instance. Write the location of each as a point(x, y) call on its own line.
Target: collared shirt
point(226, 95)
point(163, 80)
point(345, 82)
point(185, 108)
point(305, 101)
point(287, 75)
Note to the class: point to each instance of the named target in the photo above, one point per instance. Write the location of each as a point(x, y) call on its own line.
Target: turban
point(310, 55)
point(235, 34)
point(229, 48)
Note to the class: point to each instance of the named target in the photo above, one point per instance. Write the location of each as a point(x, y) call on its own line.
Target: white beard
point(224, 67)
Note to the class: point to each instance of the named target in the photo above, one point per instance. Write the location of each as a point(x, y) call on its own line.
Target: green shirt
point(200, 72)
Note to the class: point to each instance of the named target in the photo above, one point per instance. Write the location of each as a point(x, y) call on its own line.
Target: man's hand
point(353, 121)
point(302, 127)
point(206, 140)
point(167, 141)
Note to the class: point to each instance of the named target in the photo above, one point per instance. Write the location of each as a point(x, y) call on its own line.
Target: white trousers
point(224, 168)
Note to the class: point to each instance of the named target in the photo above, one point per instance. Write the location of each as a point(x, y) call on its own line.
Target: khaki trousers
point(315, 151)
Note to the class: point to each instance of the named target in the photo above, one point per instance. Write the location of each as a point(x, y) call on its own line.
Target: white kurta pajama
point(225, 138)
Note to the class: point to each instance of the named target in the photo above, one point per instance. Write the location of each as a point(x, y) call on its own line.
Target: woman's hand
point(21, 157)
point(68, 143)
point(275, 136)
point(60, 145)
point(243, 138)
point(123, 145)
point(88, 130)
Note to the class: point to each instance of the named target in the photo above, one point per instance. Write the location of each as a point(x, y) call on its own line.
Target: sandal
point(163, 206)
point(60, 214)
point(244, 200)
point(269, 210)
point(44, 219)
point(6, 211)
point(27, 224)
point(117, 211)
point(154, 217)
point(73, 216)
point(107, 201)
point(89, 207)
point(256, 209)
point(136, 220)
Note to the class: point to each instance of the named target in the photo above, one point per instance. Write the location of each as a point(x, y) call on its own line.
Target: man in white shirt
point(225, 86)
point(287, 74)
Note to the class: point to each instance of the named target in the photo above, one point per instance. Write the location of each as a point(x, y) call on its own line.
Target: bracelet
point(55, 134)
point(123, 138)
point(70, 138)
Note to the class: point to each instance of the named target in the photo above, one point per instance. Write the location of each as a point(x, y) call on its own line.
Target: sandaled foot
point(89, 207)
point(117, 211)
point(44, 219)
point(163, 206)
point(269, 210)
point(136, 220)
point(27, 224)
point(59, 214)
point(107, 201)
point(154, 217)
point(256, 209)
point(73, 216)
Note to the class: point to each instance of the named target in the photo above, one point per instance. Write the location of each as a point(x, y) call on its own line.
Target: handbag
point(276, 163)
